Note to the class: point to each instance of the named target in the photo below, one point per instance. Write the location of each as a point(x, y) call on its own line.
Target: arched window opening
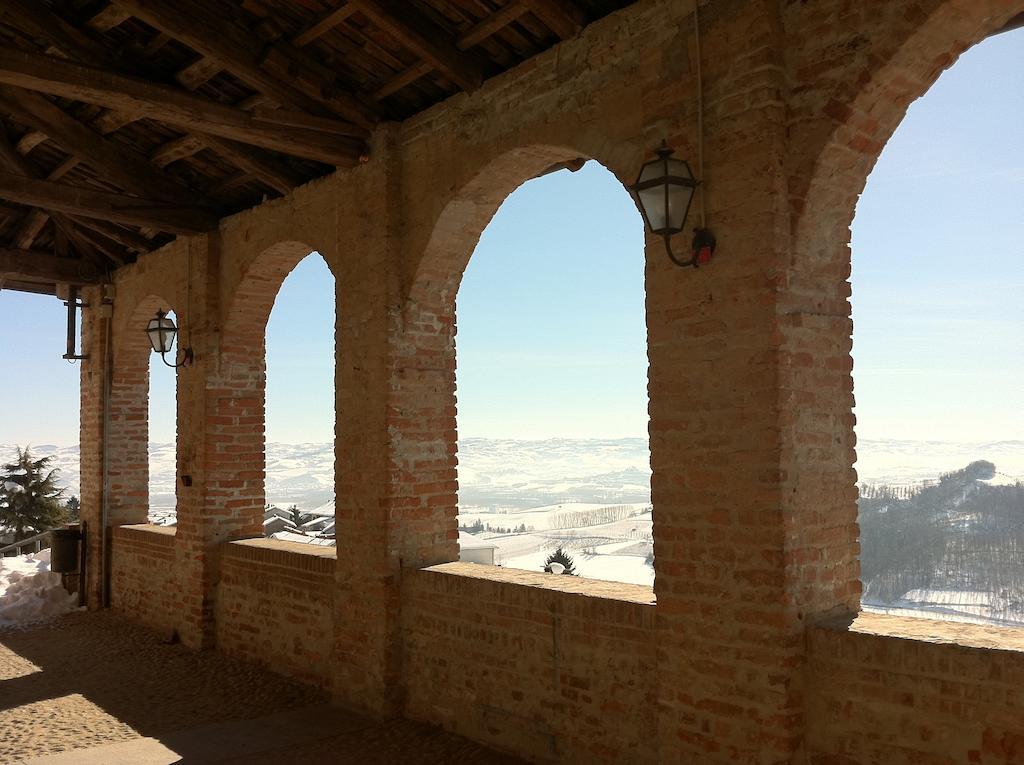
point(162, 433)
point(554, 457)
point(939, 352)
point(300, 405)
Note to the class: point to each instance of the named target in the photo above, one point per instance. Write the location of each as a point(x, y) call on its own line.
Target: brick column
point(367, 649)
point(206, 513)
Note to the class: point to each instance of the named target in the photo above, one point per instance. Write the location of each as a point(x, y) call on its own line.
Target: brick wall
point(898, 691)
point(274, 607)
point(142, 575)
point(532, 663)
point(750, 390)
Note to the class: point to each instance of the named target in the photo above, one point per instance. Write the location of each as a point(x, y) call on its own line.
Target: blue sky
point(551, 337)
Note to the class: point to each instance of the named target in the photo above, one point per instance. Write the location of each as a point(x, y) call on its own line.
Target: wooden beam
point(178, 148)
point(324, 24)
point(126, 237)
point(117, 164)
point(71, 42)
point(472, 36)
point(272, 173)
point(171, 105)
point(118, 208)
point(484, 28)
point(424, 38)
point(41, 267)
point(192, 23)
point(29, 141)
point(108, 17)
point(563, 17)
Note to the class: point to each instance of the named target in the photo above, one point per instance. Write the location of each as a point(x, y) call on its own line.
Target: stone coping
point(318, 551)
point(925, 630)
point(148, 528)
point(574, 585)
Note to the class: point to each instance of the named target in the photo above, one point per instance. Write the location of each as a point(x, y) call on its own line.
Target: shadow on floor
point(102, 690)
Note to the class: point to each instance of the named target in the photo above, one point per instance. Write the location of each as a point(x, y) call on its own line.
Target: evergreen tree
point(74, 508)
point(560, 556)
point(30, 500)
point(297, 516)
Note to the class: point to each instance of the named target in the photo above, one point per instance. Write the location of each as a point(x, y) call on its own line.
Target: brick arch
point(236, 398)
point(861, 112)
point(837, 136)
point(463, 218)
point(128, 442)
point(423, 418)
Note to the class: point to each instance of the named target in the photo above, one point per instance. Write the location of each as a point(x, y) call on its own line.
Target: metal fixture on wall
point(161, 332)
point(665, 187)
point(664, 190)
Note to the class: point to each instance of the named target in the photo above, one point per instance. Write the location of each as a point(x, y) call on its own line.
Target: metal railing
point(36, 543)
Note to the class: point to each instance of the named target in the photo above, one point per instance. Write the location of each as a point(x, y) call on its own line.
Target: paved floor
point(94, 689)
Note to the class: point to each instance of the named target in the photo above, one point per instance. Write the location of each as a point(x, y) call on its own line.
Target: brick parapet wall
point(143, 584)
point(533, 663)
point(274, 607)
point(894, 691)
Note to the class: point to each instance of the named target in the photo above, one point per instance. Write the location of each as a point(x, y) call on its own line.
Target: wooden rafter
point(324, 24)
point(563, 16)
point(171, 105)
point(119, 208)
point(121, 166)
point(217, 39)
point(424, 38)
point(40, 267)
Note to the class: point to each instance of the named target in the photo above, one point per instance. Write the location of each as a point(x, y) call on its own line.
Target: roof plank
point(424, 38)
point(55, 76)
point(117, 163)
point(563, 17)
point(218, 39)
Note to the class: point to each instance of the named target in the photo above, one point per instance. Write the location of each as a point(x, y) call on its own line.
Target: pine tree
point(297, 516)
point(560, 556)
point(30, 500)
point(74, 508)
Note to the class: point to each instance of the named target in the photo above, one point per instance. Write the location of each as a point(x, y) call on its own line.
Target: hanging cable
point(700, 113)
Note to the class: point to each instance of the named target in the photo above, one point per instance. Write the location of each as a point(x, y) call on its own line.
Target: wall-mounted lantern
point(664, 190)
point(161, 332)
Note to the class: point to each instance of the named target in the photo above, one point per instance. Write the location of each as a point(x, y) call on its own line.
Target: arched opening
point(143, 410)
point(938, 352)
point(162, 436)
point(553, 453)
point(239, 470)
point(300, 422)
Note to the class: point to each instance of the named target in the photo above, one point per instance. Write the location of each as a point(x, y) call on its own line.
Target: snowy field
point(611, 542)
point(30, 592)
point(954, 605)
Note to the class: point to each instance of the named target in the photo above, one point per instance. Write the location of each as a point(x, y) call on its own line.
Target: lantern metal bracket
point(702, 248)
point(183, 358)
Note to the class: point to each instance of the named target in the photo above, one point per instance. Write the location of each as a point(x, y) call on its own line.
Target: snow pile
point(29, 591)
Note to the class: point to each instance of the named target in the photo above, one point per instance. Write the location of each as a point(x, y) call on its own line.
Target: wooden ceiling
point(125, 123)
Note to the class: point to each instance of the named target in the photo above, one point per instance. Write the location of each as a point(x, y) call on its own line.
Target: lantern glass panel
point(652, 170)
point(652, 201)
point(161, 332)
point(679, 198)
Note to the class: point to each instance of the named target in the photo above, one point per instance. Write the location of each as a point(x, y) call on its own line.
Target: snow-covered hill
point(496, 474)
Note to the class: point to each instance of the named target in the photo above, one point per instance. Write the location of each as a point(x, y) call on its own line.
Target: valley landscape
point(592, 497)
